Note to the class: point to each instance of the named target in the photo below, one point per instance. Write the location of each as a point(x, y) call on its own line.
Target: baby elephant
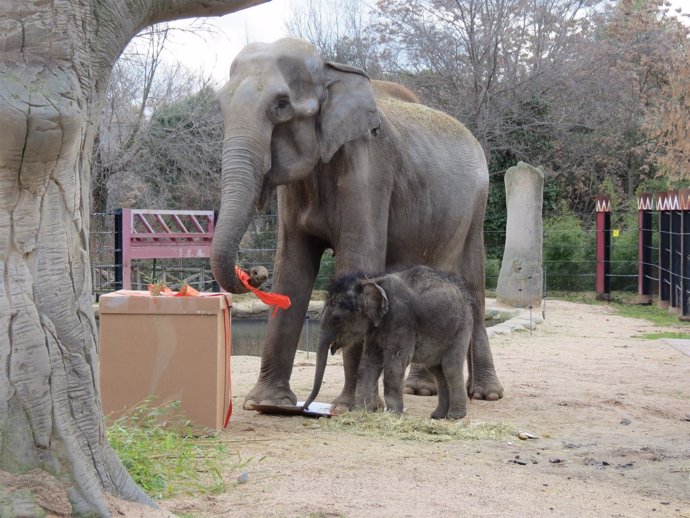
point(418, 314)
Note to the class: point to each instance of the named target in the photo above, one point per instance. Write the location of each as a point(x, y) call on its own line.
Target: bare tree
point(669, 124)
point(55, 68)
point(155, 138)
point(616, 82)
point(479, 60)
point(184, 144)
point(563, 83)
point(135, 88)
point(340, 30)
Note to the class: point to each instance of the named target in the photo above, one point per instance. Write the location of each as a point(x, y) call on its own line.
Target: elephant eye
point(283, 103)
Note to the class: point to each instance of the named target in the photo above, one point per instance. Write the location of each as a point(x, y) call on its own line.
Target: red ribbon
point(272, 299)
point(228, 352)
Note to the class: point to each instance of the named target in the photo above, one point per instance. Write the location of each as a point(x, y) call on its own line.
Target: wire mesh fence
point(569, 253)
point(672, 244)
point(102, 253)
point(569, 258)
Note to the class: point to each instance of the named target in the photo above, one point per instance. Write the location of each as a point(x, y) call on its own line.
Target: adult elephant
point(379, 179)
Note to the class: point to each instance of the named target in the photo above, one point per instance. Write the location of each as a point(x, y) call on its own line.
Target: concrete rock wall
point(520, 282)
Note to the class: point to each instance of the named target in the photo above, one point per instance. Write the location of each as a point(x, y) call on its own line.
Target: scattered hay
point(32, 494)
point(389, 425)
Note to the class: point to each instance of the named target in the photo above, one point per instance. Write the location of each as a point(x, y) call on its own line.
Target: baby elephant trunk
point(325, 338)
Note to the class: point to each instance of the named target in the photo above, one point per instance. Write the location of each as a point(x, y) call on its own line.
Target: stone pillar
point(520, 283)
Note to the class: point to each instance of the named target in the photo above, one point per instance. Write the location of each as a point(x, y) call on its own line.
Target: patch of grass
point(652, 313)
point(389, 425)
point(581, 297)
point(624, 305)
point(670, 334)
point(163, 455)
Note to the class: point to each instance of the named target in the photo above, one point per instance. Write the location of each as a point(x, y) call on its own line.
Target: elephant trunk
point(324, 341)
point(246, 160)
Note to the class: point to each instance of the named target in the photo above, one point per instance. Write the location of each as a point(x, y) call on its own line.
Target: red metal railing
point(160, 234)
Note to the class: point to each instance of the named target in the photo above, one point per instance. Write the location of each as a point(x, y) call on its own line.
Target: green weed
point(165, 455)
point(671, 334)
point(652, 313)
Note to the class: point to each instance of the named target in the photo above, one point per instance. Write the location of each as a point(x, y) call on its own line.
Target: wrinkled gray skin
point(381, 181)
point(418, 314)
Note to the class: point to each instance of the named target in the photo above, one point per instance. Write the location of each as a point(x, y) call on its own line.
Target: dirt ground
point(611, 410)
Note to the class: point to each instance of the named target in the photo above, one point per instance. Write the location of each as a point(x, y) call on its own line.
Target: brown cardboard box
point(173, 348)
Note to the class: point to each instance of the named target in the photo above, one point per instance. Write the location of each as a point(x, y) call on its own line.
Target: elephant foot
point(265, 394)
point(346, 402)
point(453, 415)
point(456, 414)
point(343, 403)
point(372, 404)
point(489, 390)
point(420, 382)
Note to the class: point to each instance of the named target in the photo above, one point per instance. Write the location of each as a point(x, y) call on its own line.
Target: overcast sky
point(212, 52)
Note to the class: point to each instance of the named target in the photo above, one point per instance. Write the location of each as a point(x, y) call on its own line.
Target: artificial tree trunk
point(55, 62)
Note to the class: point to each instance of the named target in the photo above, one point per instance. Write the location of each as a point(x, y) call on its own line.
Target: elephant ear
point(349, 110)
point(375, 302)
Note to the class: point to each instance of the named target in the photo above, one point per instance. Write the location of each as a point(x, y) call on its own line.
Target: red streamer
point(272, 299)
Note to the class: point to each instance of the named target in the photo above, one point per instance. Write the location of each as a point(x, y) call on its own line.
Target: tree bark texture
point(55, 63)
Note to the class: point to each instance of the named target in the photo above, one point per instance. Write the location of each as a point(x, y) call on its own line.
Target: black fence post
point(645, 205)
point(664, 249)
point(684, 195)
point(675, 253)
point(117, 234)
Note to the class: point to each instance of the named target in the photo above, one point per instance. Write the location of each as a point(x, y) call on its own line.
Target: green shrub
point(569, 260)
point(495, 220)
point(492, 270)
point(624, 254)
point(326, 271)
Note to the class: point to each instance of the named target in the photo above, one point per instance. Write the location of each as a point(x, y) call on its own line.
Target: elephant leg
point(443, 393)
point(420, 381)
point(370, 367)
point(452, 364)
point(354, 393)
point(367, 256)
point(352, 356)
point(296, 269)
point(393, 375)
point(482, 382)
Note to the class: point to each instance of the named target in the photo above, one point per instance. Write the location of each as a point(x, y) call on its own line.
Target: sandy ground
point(612, 412)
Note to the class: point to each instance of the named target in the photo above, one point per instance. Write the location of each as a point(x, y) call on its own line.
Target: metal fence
point(569, 253)
point(257, 248)
point(569, 257)
point(102, 253)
